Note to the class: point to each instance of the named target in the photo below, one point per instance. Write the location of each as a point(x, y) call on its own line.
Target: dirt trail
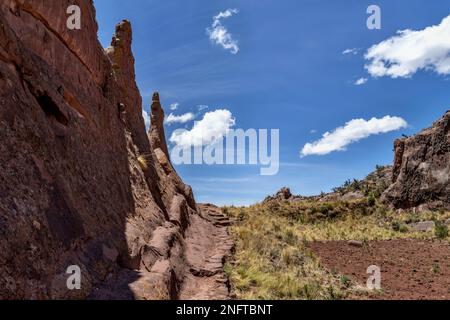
point(207, 246)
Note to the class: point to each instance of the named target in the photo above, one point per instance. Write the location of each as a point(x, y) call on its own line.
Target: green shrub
point(289, 237)
point(399, 227)
point(345, 281)
point(325, 208)
point(436, 268)
point(371, 201)
point(241, 214)
point(440, 230)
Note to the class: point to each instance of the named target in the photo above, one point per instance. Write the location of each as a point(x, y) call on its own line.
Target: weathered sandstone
point(80, 183)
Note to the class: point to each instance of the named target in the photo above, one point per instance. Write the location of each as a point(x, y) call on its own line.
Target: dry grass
point(272, 260)
point(143, 162)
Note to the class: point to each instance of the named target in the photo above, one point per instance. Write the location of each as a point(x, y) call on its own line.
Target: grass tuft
point(143, 162)
point(440, 230)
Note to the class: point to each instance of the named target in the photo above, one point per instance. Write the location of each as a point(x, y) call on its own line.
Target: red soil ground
point(410, 269)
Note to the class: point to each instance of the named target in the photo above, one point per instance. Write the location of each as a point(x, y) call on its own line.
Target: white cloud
point(202, 107)
point(350, 51)
point(174, 106)
point(219, 34)
point(410, 51)
point(360, 81)
point(171, 118)
point(353, 131)
point(214, 125)
point(146, 119)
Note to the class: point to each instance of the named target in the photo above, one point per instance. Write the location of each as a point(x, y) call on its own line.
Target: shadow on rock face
point(72, 192)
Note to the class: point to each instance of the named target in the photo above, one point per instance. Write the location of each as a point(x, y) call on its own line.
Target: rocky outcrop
point(80, 183)
point(281, 195)
point(421, 173)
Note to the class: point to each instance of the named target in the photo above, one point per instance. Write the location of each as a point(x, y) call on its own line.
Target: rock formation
point(80, 183)
point(156, 134)
point(421, 173)
point(282, 194)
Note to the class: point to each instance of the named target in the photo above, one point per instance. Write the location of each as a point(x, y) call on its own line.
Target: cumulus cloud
point(146, 119)
point(360, 81)
point(214, 125)
point(174, 106)
point(352, 131)
point(409, 51)
point(171, 118)
point(219, 34)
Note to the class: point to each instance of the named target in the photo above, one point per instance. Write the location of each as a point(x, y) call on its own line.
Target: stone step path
point(208, 244)
point(216, 216)
point(154, 273)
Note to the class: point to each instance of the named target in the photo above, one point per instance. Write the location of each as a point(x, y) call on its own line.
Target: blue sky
point(290, 74)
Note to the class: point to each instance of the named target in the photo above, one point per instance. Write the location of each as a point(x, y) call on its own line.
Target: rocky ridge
point(81, 182)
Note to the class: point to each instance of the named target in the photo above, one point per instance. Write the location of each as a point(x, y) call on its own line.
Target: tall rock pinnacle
point(83, 188)
point(121, 57)
point(156, 134)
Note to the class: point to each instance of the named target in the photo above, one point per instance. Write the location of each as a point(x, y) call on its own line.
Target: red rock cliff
point(79, 182)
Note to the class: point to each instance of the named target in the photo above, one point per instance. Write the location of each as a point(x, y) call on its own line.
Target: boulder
point(354, 195)
point(422, 226)
point(284, 194)
point(355, 243)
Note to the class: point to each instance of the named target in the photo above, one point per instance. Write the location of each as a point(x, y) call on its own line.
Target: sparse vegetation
point(371, 201)
point(143, 162)
point(373, 185)
point(436, 268)
point(345, 281)
point(441, 230)
point(399, 227)
point(272, 261)
point(272, 258)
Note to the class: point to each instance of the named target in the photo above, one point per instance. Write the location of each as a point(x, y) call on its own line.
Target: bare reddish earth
point(410, 269)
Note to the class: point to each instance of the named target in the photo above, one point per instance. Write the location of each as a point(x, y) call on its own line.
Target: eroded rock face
point(73, 190)
point(421, 174)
